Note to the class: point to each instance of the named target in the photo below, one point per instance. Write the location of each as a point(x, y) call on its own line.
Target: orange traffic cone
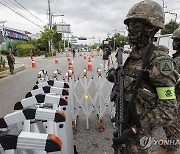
point(70, 65)
point(33, 62)
point(89, 64)
point(92, 54)
point(69, 59)
point(56, 60)
point(84, 55)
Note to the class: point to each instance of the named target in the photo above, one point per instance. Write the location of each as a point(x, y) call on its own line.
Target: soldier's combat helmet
point(176, 34)
point(147, 11)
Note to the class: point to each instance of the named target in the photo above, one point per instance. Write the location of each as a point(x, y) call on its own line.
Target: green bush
point(2, 64)
point(23, 48)
point(4, 52)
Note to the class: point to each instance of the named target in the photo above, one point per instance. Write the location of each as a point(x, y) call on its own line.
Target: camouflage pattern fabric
point(153, 112)
point(176, 34)
point(177, 60)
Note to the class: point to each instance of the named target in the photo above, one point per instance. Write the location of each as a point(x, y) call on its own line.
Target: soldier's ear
point(151, 29)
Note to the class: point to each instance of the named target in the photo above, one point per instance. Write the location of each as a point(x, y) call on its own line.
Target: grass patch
point(4, 68)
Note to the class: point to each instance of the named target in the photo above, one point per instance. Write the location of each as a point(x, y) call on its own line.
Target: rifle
point(119, 149)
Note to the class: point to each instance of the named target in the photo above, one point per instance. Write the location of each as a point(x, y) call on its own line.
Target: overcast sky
point(87, 18)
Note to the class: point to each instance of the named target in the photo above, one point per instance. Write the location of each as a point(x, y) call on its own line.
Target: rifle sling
point(132, 104)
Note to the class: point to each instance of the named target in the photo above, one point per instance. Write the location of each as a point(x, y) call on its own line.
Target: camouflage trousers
point(11, 67)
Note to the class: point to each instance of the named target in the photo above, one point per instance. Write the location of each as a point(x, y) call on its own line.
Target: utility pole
point(163, 5)
point(2, 33)
point(115, 31)
point(115, 38)
point(50, 22)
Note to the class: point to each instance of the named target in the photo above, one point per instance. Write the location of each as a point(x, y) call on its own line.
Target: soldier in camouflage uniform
point(156, 102)
point(176, 46)
point(176, 57)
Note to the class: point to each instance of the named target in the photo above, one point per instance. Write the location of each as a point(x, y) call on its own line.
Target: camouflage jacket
point(155, 101)
point(176, 57)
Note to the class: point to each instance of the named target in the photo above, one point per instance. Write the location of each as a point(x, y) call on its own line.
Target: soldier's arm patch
point(166, 66)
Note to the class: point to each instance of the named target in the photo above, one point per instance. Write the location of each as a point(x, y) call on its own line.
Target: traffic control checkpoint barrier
point(59, 84)
point(42, 76)
point(13, 139)
point(49, 100)
point(48, 89)
point(33, 64)
point(101, 104)
point(55, 102)
point(56, 123)
point(57, 75)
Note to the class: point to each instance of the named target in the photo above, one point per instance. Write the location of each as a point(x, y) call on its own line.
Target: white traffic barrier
point(48, 89)
point(13, 139)
point(59, 84)
point(56, 123)
point(42, 76)
point(57, 75)
point(58, 103)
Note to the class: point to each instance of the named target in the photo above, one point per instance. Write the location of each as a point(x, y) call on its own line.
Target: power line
point(21, 15)
point(13, 4)
point(39, 7)
point(28, 11)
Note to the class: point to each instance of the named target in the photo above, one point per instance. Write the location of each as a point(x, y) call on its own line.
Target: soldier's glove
point(111, 75)
point(127, 136)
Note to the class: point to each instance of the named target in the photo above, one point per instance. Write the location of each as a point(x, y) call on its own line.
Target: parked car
point(166, 40)
point(127, 49)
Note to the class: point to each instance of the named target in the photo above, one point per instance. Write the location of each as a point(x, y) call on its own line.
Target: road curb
point(16, 70)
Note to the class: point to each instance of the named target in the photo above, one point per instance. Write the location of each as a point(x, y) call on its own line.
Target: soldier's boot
point(164, 152)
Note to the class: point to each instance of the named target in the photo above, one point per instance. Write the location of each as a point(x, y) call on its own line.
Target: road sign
point(63, 28)
point(82, 38)
point(73, 40)
point(106, 42)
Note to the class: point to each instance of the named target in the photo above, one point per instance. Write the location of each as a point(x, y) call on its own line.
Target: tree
point(56, 39)
point(117, 40)
point(46, 36)
point(170, 27)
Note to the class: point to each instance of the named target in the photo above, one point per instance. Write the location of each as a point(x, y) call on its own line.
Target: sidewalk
point(18, 67)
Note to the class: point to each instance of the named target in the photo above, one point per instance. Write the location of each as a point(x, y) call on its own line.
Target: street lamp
point(114, 44)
